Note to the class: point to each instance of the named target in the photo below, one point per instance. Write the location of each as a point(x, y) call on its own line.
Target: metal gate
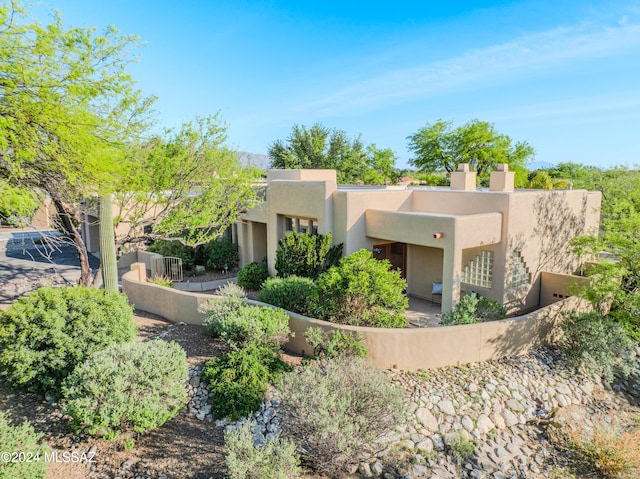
point(169, 267)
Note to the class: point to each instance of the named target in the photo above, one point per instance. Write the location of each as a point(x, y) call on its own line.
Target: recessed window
point(300, 225)
point(479, 271)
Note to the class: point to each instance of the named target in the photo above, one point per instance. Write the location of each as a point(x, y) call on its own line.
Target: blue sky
point(561, 75)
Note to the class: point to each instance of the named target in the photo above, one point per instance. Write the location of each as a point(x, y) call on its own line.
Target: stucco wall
point(424, 267)
point(408, 349)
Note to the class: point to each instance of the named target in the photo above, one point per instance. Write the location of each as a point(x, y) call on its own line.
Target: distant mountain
point(255, 159)
point(540, 165)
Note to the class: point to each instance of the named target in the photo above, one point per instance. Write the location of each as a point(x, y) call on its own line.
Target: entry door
point(395, 253)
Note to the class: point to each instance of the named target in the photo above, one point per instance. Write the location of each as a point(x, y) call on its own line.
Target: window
point(300, 225)
point(479, 271)
point(520, 274)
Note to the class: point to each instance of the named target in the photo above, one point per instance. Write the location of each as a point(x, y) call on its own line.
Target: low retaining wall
point(407, 349)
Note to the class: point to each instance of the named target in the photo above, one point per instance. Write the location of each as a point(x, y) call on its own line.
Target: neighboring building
point(496, 242)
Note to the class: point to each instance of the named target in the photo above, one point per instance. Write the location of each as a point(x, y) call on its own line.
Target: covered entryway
point(395, 253)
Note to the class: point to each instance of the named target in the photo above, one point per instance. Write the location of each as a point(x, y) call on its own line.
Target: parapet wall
point(407, 349)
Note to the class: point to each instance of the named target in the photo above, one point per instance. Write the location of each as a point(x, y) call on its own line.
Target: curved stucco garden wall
point(407, 349)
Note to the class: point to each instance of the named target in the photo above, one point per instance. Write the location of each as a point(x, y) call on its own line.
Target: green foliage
point(133, 386)
point(191, 183)
point(362, 291)
point(222, 254)
point(306, 255)
point(21, 439)
point(17, 205)
point(174, 249)
point(321, 147)
point(335, 343)
point(472, 309)
point(252, 276)
point(382, 170)
point(276, 459)
point(438, 146)
point(254, 325)
point(162, 281)
point(232, 297)
point(45, 335)
point(459, 447)
point(339, 409)
point(597, 345)
point(463, 313)
point(238, 380)
point(292, 293)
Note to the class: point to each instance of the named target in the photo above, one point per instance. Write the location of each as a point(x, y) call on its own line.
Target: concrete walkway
point(422, 313)
point(204, 286)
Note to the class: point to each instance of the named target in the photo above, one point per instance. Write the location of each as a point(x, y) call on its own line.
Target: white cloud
point(534, 54)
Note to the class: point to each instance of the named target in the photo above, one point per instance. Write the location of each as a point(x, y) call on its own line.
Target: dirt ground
point(184, 447)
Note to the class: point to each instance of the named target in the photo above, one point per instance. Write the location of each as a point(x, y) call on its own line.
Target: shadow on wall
point(555, 224)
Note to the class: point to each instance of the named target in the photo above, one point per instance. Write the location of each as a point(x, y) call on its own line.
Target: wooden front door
point(395, 253)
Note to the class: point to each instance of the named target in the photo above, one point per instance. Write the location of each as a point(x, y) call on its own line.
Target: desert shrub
point(611, 448)
point(175, 249)
point(232, 297)
point(134, 386)
point(45, 335)
point(306, 255)
point(362, 291)
point(21, 439)
point(238, 380)
point(596, 345)
point(252, 275)
point(463, 313)
point(335, 343)
point(274, 460)
point(254, 325)
point(162, 281)
point(222, 254)
point(339, 409)
point(459, 447)
point(490, 310)
point(293, 293)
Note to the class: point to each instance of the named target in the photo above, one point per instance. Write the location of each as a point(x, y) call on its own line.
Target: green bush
point(472, 309)
point(21, 439)
point(222, 254)
point(362, 291)
point(339, 409)
point(175, 249)
point(162, 281)
point(275, 460)
point(463, 313)
point(252, 275)
point(334, 344)
point(293, 293)
point(133, 386)
point(306, 255)
point(217, 309)
point(238, 380)
point(254, 325)
point(596, 345)
point(45, 335)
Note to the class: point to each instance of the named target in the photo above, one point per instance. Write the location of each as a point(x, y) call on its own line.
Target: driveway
point(35, 256)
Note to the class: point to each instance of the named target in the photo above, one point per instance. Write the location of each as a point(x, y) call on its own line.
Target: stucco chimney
point(503, 179)
point(463, 179)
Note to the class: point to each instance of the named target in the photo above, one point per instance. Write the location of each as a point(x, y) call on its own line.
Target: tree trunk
point(108, 262)
point(83, 256)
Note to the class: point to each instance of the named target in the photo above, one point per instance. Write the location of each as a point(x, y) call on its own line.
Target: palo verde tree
point(67, 107)
point(438, 146)
point(324, 148)
point(185, 186)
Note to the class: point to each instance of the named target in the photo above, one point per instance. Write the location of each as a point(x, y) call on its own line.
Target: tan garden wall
point(407, 349)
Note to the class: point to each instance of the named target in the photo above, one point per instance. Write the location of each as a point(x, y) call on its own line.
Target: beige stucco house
point(495, 241)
